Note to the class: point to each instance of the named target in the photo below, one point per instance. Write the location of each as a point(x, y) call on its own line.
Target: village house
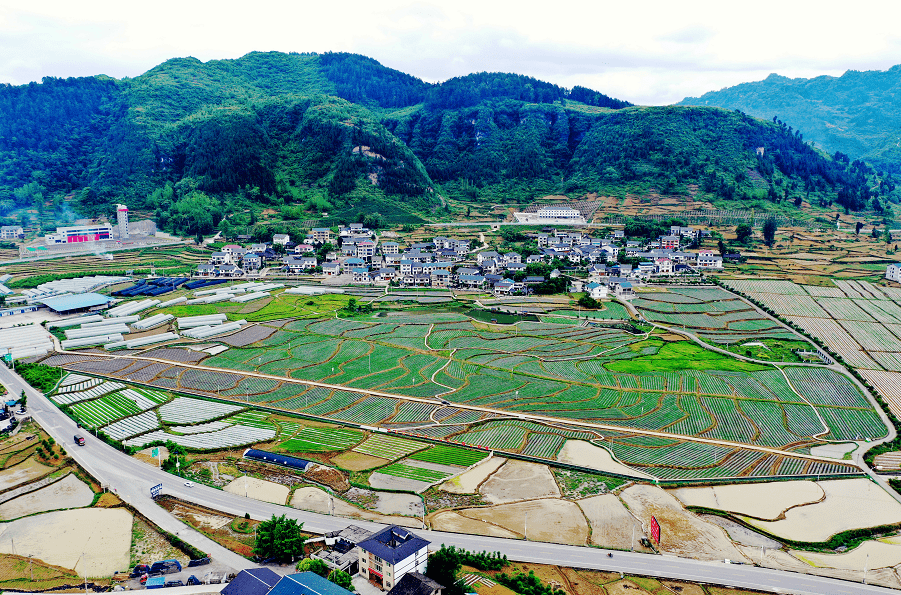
point(219, 258)
point(321, 235)
point(893, 272)
point(281, 239)
point(708, 259)
point(331, 269)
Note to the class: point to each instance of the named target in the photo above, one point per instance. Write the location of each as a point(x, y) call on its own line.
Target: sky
point(650, 52)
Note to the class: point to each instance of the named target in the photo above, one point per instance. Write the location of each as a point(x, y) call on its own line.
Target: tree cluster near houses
point(358, 255)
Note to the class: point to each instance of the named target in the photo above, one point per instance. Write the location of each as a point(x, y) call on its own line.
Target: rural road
point(132, 480)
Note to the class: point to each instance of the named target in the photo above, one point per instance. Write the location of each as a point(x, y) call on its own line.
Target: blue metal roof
point(253, 581)
point(393, 544)
point(67, 303)
point(307, 583)
point(275, 459)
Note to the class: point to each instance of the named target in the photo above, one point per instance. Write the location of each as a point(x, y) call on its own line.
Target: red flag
point(655, 529)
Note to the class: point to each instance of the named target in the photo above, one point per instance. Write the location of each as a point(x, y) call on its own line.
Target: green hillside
point(858, 113)
point(212, 145)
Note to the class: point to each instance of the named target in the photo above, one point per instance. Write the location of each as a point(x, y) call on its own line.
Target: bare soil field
point(759, 500)
point(681, 532)
point(103, 535)
point(586, 454)
point(258, 489)
point(611, 524)
point(145, 455)
point(383, 481)
point(520, 480)
point(741, 534)
point(24, 472)
point(818, 522)
point(781, 560)
point(353, 461)
point(468, 482)
point(455, 522)
point(834, 451)
point(550, 520)
point(316, 500)
point(872, 554)
point(68, 492)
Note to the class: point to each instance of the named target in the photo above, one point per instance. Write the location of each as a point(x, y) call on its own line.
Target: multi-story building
point(390, 554)
point(321, 235)
point(708, 259)
point(122, 220)
point(11, 232)
point(669, 242)
point(893, 272)
point(81, 233)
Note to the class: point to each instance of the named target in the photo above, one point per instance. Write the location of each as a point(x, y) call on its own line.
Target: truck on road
point(79, 440)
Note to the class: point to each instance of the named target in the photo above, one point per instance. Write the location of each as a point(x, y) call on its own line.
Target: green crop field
point(322, 440)
point(389, 447)
point(449, 455)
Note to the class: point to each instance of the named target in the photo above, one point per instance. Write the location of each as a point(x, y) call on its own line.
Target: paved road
point(132, 480)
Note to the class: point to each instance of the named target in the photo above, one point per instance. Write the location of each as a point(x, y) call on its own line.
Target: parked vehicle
point(139, 570)
point(175, 583)
point(166, 566)
point(193, 580)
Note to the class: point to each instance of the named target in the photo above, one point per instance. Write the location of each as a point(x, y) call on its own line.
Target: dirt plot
point(760, 500)
point(872, 554)
point(681, 532)
point(553, 521)
point(316, 500)
point(469, 481)
point(68, 492)
point(611, 524)
point(248, 335)
point(741, 534)
point(586, 454)
point(383, 481)
point(60, 538)
point(328, 476)
point(520, 480)
point(146, 455)
point(870, 504)
point(454, 522)
point(833, 451)
point(781, 560)
point(24, 472)
point(258, 489)
point(353, 461)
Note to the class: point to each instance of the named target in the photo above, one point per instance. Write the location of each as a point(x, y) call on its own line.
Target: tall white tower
point(122, 220)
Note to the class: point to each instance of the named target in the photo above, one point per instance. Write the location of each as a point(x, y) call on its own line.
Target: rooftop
point(254, 581)
point(393, 544)
point(67, 303)
point(307, 583)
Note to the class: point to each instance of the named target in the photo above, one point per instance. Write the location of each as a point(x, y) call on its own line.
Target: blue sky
point(650, 52)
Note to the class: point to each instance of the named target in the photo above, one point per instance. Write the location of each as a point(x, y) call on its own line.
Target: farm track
point(485, 410)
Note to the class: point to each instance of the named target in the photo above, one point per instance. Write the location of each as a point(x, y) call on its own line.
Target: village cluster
point(357, 255)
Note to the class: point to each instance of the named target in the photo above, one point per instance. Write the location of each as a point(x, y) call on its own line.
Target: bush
point(41, 377)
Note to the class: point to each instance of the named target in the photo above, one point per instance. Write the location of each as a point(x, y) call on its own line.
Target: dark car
point(193, 580)
point(139, 570)
point(175, 583)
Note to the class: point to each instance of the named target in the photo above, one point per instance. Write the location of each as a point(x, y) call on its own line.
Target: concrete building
point(122, 220)
point(11, 232)
point(893, 272)
point(390, 554)
point(81, 233)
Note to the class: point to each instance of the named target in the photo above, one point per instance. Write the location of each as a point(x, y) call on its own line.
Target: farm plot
point(872, 336)
point(388, 447)
point(91, 393)
point(311, 439)
point(496, 436)
point(443, 454)
point(76, 382)
point(370, 410)
point(104, 410)
point(414, 473)
point(844, 309)
point(183, 410)
point(132, 426)
point(230, 437)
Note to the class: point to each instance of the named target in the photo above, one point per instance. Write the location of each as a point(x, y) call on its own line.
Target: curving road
point(132, 480)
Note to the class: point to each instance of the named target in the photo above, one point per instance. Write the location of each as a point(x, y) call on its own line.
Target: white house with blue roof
point(390, 554)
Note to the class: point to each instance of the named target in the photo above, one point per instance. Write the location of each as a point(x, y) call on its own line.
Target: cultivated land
point(627, 382)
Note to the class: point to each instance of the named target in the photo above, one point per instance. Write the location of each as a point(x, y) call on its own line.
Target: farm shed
point(276, 459)
point(66, 304)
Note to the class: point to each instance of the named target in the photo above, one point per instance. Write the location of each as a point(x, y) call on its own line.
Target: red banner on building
point(655, 530)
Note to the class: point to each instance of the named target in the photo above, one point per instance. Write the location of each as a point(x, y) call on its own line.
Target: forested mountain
point(308, 133)
point(858, 113)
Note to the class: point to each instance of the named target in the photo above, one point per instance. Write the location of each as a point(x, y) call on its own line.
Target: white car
point(189, 484)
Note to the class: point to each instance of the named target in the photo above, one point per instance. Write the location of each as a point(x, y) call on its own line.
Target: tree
point(586, 301)
point(769, 231)
point(280, 538)
point(875, 233)
point(857, 227)
point(443, 567)
point(342, 579)
point(23, 398)
point(721, 245)
point(887, 236)
point(743, 232)
point(314, 565)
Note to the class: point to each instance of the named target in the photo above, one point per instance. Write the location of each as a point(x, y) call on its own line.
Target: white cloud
point(653, 52)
